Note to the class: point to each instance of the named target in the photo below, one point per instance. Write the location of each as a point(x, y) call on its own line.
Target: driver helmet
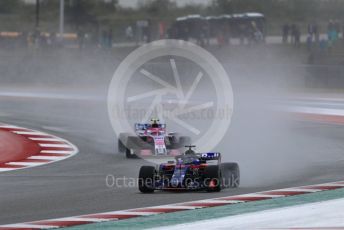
point(189, 152)
point(154, 123)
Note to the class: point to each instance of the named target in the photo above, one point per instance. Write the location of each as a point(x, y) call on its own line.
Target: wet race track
point(273, 150)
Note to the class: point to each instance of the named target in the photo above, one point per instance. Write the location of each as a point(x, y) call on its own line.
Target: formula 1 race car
point(151, 140)
point(190, 171)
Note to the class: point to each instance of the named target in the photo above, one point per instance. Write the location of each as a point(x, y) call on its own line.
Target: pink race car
point(151, 140)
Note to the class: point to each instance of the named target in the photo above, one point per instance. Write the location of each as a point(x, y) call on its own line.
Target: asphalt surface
point(273, 152)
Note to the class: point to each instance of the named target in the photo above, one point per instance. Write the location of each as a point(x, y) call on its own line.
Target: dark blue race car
point(190, 171)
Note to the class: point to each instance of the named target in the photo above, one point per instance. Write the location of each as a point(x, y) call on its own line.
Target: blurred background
point(307, 29)
point(107, 22)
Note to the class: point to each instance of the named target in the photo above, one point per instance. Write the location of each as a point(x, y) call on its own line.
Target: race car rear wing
point(211, 156)
point(145, 126)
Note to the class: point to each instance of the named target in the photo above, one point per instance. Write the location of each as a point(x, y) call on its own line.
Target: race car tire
point(121, 146)
point(146, 179)
point(172, 142)
point(231, 174)
point(129, 154)
point(131, 144)
point(226, 175)
point(212, 178)
point(122, 140)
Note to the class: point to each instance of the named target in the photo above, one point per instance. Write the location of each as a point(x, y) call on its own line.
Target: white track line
point(78, 218)
point(259, 195)
point(28, 226)
point(213, 201)
point(318, 111)
point(53, 158)
point(44, 139)
point(176, 207)
point(57, 151)
point(38, 137)
point(298, 189)
point(9, 127)
point(54, 145)
point(26, 163)
point(29, 133)
point(132, 213)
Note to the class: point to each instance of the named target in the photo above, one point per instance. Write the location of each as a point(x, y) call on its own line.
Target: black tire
point(173, 142)
point(231, 174)
point(226, 175)
point(121, 146)
point(212, 174)
point(129, 155)
point(146, 179)
point(122, 140)
point(132, 143)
